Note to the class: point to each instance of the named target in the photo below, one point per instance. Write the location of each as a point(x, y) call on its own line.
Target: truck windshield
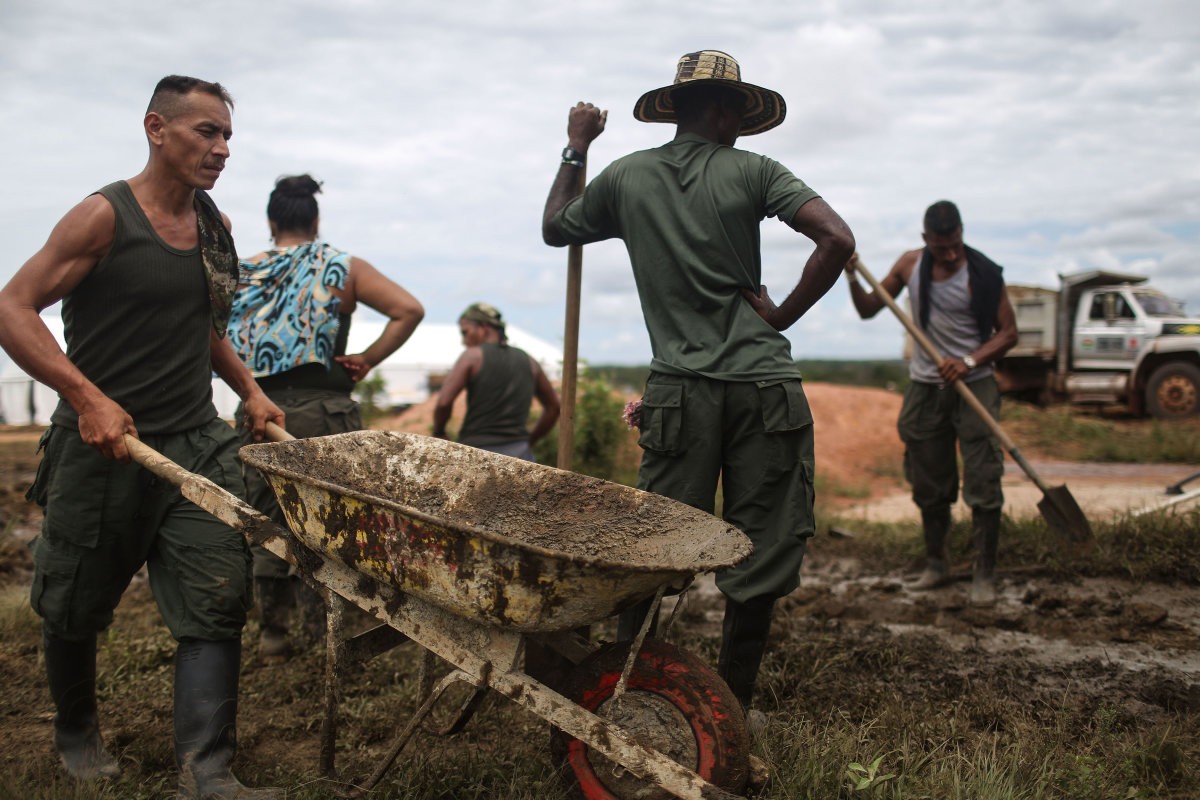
point(1158, 305)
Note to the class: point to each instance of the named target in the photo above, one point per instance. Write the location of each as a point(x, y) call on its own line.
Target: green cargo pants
point(308, 412)
point(757, 438)
point(931, 419)
point(104, 520)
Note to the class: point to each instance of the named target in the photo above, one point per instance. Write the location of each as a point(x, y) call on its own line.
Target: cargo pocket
point(39, 490)
point(342, 414)
point(784, 405)
point(54, 582)
point(785, 414)
point(74, 489)
point(806, 497)
point(662, 419)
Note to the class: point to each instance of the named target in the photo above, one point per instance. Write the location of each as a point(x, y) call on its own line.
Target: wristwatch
point(573, 157)
point(970, 362)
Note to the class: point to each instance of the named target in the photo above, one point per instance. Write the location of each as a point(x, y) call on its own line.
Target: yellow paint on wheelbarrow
point(492, 538)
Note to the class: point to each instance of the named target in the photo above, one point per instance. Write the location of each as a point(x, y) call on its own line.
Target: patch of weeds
point(19, 625)
point(859, 491)
point(893, 469)
point(862, 778)
point(1156, 547)
point(1159, 762)
point(1079, 435)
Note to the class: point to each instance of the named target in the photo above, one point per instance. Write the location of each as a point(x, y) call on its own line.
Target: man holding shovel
point(145, 269)
point(959, 301)
point(724, 398)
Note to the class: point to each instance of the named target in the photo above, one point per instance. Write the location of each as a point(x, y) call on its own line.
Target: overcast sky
point(1067, 132)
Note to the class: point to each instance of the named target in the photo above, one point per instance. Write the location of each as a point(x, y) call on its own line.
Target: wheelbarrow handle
point(167, 469)
point(278, 434)
point(222, 504)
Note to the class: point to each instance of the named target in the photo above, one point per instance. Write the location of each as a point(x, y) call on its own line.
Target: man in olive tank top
point(501, 382)
point(958, 299)
point(145, 270)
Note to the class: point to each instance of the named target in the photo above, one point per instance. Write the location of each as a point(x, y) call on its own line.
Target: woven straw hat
point(764, 110)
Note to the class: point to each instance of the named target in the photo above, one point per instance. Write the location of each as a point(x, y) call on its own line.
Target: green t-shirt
point(689, 215)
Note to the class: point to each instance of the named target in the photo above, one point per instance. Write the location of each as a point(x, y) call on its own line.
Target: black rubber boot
point(312, 611)
point(206, 689)
point(275, 601)
point(630, 621)
point(71, 672)
point(985, 526)
point(743, 642)
point(936, 525)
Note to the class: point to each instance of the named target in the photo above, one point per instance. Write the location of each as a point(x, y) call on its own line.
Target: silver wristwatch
point(970, 362)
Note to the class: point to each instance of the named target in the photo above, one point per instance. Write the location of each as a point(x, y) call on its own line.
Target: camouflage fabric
point(220, 260)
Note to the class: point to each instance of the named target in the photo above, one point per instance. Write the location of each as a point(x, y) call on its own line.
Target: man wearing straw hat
point(724, 398)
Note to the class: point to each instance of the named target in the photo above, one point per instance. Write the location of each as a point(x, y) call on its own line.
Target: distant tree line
point(887, 374)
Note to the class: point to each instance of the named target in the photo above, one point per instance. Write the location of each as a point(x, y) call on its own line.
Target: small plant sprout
point(862, 778)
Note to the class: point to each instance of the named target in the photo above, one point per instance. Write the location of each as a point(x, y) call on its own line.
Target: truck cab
point(1113, 339)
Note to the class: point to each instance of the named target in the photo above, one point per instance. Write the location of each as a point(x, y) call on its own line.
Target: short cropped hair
point(692, 100)
point(942, 218)
point(167, 99)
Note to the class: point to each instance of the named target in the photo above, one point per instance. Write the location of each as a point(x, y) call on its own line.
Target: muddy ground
point(1137, 645)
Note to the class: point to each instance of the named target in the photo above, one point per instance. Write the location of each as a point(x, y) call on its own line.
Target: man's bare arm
point(548, 399)
point(404, 312)
point(258, 408)
point(835, 244)
point(584, 123)
point(77, 243)
point(464, 369)
point(868, 304)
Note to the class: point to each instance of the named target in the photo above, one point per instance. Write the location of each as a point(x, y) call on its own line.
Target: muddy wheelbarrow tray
point(498, 540)
point(468, 553)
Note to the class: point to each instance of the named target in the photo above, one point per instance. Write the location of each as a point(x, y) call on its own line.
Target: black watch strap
point(573, 157)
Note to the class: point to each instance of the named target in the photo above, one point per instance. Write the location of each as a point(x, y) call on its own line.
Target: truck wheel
point(1174, 391)
point(673, 703)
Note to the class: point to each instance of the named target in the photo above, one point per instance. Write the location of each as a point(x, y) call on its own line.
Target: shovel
point(1058, 506)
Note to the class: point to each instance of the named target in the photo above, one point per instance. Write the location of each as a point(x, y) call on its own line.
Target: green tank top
point(138, 326)
point(499, 397)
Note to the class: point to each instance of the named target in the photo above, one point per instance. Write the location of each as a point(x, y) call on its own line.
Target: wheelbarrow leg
point(405, 735)
point(335, 651)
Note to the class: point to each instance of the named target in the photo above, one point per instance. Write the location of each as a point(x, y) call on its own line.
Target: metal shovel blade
point(1064, 515)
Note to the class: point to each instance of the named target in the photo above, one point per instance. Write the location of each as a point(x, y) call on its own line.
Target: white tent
point(431, 351)
point(24, 401)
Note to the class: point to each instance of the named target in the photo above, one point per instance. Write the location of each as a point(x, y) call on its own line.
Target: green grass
point(1067, 433)
point(836, 696)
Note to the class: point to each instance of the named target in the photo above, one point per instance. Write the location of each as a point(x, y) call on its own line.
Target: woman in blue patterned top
point(290, 323)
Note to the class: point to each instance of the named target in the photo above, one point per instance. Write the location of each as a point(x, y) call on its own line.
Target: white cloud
point(1066, 135)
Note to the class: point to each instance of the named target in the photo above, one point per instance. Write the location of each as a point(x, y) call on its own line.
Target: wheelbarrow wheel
point(673, 703)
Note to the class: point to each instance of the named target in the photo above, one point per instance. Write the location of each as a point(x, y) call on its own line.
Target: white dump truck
point(1104, 338)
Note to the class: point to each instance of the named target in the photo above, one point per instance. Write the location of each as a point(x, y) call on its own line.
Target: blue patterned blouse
point(284, 313)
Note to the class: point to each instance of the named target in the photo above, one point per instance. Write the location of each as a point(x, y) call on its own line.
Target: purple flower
point(632, 415)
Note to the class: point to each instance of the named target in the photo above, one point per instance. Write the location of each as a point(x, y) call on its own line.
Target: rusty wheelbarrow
point(472, 555)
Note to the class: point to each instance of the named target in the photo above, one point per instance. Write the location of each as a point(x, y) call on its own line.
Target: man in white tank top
point(958, 299)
